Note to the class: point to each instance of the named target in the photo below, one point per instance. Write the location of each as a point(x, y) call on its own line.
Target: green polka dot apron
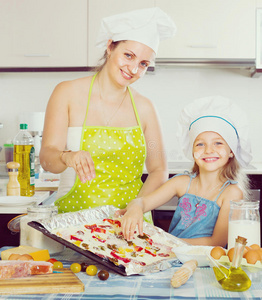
point(119, 156)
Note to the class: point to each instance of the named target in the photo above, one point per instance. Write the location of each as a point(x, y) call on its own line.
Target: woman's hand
point(133, 216)
point(82, 163)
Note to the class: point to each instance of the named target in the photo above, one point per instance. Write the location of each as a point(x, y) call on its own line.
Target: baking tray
point(104, 261)
point(47, 226)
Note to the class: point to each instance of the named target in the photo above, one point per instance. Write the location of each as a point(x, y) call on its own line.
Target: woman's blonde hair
point(233, 171)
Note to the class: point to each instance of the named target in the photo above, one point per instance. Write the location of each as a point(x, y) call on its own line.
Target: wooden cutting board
point(65, 282)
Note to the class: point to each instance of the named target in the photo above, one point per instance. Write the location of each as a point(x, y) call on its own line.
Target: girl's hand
point(82, 163)
point(133, 217)
point(120, 213)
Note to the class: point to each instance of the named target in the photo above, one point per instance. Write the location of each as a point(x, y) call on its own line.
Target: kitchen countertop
point(202, 285)
point(174, 167)
point(50, 182)
point(39, 197)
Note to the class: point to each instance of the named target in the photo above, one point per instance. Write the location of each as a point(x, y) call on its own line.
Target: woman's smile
point(126, 75)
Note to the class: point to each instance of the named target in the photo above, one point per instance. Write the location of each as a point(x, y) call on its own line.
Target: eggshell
point(252, 256)
point(260, 252)
point(255, 246)
point(217, 252)
point(230, 254)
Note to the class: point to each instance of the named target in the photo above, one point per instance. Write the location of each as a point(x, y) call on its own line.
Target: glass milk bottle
point(244, 220)
point(32, 237)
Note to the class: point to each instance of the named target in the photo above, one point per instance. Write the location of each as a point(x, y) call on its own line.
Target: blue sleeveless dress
point(195, 216)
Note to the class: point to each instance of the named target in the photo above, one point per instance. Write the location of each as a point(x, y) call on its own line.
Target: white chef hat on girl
point(147, 26)
point(220, 115)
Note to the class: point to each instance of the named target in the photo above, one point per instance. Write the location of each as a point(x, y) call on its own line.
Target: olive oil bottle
point(24, 154)
point(234, 278)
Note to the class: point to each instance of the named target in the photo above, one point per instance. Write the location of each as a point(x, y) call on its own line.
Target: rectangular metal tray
point(104, 261)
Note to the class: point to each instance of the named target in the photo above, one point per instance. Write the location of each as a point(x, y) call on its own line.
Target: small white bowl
point(199, 253)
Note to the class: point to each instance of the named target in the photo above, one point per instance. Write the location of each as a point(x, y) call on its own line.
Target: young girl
point(213, 132)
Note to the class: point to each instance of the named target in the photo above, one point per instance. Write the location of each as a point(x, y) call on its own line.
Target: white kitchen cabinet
point(49, 33)
point(259, 40)
point(210, 29)
point(99, 9)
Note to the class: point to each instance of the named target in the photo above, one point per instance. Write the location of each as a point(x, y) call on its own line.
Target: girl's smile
point(210, 148)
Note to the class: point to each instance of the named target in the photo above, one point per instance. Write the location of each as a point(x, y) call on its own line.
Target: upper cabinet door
point(43, 33)
point(259, 39)
point(99, 9)
point(210, 29)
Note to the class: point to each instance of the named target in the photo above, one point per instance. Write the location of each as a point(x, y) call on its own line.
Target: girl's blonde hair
point(233, 171)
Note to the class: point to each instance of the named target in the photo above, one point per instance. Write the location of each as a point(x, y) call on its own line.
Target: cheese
point(36, 253)
point(41, 255)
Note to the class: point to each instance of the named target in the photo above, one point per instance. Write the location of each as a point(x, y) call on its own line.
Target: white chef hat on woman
point(220, 115)
point(147, 26)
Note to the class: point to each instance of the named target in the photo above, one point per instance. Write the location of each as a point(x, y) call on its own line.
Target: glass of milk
point(244, 220)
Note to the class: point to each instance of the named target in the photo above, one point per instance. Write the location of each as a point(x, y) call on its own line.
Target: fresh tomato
point(52, 260)
point(103, 275)
point(58, 265)
point(75, 267)
point(84, 266)
point(91, 270)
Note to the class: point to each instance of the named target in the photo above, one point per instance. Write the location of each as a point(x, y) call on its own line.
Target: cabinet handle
point(37, 55)
point(202, 46)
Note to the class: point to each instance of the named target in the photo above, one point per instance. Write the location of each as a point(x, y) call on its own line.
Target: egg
point(217, 252)
point(252, 256)
point(260, 252)
point(25, 257)
point(255, 246)
point(247, 248)
point(230, 253)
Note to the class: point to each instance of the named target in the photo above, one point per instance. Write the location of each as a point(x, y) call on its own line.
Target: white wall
point(169, 89)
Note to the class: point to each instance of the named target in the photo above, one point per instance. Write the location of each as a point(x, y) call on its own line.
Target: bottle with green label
point(24, 154)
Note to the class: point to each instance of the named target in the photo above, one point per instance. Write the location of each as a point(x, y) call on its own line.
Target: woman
point(109, 128)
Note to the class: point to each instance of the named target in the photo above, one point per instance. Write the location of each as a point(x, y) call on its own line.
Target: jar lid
point(14, 224)
point(243, 204)
point(42, 209)
point(8, 145)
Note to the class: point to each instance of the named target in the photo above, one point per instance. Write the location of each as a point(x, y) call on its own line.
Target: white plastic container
point(31, 237)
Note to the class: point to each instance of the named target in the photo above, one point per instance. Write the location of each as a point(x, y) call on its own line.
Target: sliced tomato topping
point(90, 226)
point(97, 229)
point(74, 238)
point(150, 241)
point(138, 248)
point(124, 259)
point(114, 222)
point(99, 239)
point(149, 252)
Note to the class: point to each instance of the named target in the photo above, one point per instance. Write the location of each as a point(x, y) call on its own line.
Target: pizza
point(105, 239)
